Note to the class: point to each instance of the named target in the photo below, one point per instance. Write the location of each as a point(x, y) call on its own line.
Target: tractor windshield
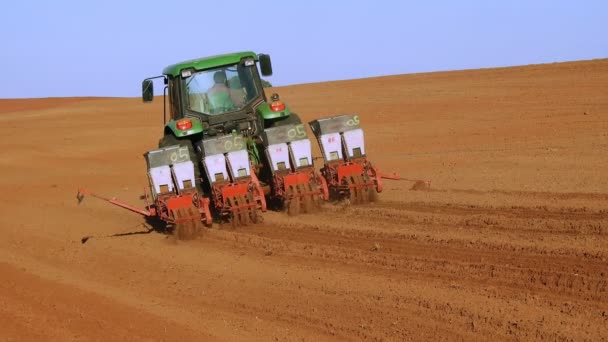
point(221, 90)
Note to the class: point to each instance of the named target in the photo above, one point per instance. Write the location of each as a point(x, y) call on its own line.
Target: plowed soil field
point(510, 242)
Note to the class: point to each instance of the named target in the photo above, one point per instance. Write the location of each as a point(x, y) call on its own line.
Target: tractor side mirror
point(265, 64)
point(147, 90)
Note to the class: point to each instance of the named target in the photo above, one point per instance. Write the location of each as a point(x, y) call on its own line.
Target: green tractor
point(218, 95)
point(228, 152)
point(246, 150)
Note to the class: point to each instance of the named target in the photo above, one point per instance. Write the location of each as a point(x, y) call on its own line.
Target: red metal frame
point(295, 178)
point(338, 175)
point(348, 169)
point(164, 206)
point(307, 175)
point(222, 191)
point(395, 176)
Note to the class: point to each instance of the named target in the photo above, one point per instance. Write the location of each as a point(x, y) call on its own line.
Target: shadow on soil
point(151, 225)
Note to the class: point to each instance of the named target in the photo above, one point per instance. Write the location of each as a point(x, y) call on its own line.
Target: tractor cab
point(221, 90)
point(221, 94)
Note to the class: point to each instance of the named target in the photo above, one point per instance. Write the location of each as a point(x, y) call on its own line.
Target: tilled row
point(502, 264)
point(504, 268)
point(504, 288)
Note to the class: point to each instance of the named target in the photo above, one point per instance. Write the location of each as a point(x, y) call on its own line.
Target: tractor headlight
point(186, 73)
point(249, 62)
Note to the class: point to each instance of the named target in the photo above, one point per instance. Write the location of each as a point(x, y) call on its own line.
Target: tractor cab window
point(221, 90)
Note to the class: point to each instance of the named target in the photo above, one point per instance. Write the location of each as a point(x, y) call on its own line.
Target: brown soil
point(510, 242)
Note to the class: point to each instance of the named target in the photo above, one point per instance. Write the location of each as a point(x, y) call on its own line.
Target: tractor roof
point(208, 62)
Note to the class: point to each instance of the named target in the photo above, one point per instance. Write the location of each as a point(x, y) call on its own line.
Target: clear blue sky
point(105, 48)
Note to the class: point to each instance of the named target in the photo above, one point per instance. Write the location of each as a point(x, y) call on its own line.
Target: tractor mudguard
point(266, 113)
point(196, 127)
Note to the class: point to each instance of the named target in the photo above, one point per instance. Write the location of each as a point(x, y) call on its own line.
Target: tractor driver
point(219, 94)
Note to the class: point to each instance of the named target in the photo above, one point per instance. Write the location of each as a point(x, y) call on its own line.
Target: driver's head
point(219, 77)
